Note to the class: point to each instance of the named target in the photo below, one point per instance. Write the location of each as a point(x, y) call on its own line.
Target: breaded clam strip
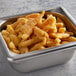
point(42, 47)
point(37, 16)
point(5, 32)
point(50, 24)
point(13, 48)
point(59, 25)
point(40, 18)
point(24, 50)
point(11, 45)
point(59, 35)
point(10, 29)
point(40, 33)
point(29, 42)
point(25, 31)
point(14, 39)
point(53, 42)
point(21, 22)
point(51, 20)
point(38, 45)
point(64, 42)
point(7, 39)
point(70, 39)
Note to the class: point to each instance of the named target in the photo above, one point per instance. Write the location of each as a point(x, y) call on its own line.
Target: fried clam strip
point(10, 35)
point(50, 24)
point(64, 42)
point(40, 33)
point(24, 30)
point(24, 50)
point(5, 32)
point(51, 20)
point(52, 29)
point(57, 42)
point(59, 25)
point(14, 39)
point(10, 29)
point(29, 42)
point(19, 22)
point(7, 39)
point(59, 35)
point(34, 15)
point(53, 42)
point(69, 39)
point(37, 17)
point(40, 18)
point(23, 37)
point(13, 48)
point(62, 30)
point(71, 33)
point(39, 45)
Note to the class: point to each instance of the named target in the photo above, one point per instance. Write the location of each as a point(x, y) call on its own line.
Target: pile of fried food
point(34, 32)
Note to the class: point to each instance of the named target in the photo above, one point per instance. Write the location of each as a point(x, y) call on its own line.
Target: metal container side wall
point(42, 61)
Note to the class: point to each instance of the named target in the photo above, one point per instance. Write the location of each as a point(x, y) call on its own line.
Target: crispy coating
point(29, 42)
point(36, 31)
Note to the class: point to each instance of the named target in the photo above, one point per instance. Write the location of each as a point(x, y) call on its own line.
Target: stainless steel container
point(42, 58)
